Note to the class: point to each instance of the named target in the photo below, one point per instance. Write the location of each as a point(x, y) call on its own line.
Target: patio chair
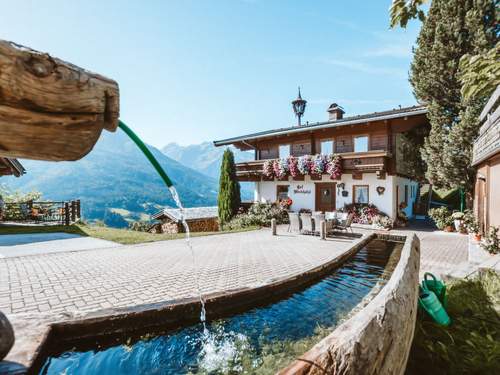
point(294, 225)
point(307, 223)
point(345, 225)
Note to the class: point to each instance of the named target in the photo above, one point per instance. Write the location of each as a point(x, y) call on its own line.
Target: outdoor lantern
point(299, 106)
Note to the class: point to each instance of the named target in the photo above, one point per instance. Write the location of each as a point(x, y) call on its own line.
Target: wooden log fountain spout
point(51, 109)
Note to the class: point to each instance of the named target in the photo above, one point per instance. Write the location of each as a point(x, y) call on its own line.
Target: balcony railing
point(371, 161)
point(61, 212)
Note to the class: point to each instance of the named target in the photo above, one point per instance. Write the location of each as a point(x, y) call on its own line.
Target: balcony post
point(66, 213)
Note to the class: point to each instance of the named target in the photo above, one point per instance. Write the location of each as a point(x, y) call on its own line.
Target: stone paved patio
point(132, 275)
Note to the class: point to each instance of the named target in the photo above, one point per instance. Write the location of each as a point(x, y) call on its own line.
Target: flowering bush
point(382, 222)
point(363, 213)
point(259, 214)
point(293, 166)
point(268, 169)
point(285, 203)
point(492, 242)
point(304, 164)
point(280, 167)
point(334, 167)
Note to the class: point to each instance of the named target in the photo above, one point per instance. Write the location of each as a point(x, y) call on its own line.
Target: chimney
point(335, 112)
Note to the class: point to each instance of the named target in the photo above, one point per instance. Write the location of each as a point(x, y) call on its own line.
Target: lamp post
point(299, 107)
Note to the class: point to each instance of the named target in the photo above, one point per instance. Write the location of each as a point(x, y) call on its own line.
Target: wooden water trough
point(51, 109)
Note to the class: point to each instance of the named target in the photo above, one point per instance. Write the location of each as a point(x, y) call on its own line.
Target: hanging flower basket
point(293, 166)
point(268, 170)
point(334, 167)
point(280, 169)
point(305, 164)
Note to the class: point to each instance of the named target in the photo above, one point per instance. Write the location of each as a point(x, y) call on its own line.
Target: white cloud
point(398, 51)
point(365, 68)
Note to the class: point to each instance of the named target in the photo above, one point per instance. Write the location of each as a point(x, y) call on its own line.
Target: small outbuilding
point(199, 219)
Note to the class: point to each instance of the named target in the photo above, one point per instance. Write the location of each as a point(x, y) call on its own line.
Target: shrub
point(259, 214)
point(470, 222)
point(441, 217)
point(457, 215)
point(380, 221)
point(140, 226)
point(491, 241)
point(363, 213)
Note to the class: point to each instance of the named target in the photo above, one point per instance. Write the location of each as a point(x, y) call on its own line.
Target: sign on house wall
point(300, 189)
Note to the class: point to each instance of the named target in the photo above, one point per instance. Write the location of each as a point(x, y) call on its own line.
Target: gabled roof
point(352, 120)
point(9, 166)
point(194, 213)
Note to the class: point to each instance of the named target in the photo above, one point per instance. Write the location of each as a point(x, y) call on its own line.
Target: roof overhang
point(9, 166)
point(321, 125)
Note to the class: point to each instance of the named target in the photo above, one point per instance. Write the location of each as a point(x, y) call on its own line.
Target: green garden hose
point(146, 152)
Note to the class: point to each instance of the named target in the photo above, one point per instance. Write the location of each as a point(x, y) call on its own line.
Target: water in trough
point(259, 341)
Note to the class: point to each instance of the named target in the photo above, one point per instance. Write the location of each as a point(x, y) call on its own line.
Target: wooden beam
point(51, 109)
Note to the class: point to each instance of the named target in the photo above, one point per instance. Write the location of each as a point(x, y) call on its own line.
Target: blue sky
point(198, 70)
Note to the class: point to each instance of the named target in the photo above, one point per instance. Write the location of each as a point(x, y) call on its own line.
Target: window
point(360, 194)
point(282, 192)
point(361, 143)
point(284, 151)
point(326, 147)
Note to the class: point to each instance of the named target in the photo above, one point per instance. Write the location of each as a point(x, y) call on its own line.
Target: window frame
point(361, 136)
point(278, 192)
point(367, 193)
point(321, 141)
point(289, 150)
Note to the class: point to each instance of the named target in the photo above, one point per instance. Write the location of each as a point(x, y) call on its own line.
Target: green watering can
point(429, 301)
point(433, 284)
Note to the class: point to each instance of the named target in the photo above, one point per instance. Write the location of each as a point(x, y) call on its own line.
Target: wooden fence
point(60, 212)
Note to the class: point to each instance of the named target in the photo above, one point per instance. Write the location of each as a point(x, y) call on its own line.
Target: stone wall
point(378, 338)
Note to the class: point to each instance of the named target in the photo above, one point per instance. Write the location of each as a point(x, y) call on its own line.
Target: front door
point(325, 197)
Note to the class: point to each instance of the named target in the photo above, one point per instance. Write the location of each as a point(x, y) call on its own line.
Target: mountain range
point(116, 183)
point(207, 159)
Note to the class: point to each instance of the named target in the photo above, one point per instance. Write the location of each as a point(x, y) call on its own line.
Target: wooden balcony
point(361, 162)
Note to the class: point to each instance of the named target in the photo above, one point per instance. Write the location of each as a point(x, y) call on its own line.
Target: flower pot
point(448, 228)
point(477, 237)
point(458, 225)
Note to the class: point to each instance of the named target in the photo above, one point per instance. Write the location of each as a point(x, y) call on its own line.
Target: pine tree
point(229, 199)
point(452, 29)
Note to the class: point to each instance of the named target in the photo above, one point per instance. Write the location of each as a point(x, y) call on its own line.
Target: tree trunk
point(51, 109)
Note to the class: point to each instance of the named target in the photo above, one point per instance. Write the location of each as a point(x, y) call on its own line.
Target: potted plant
point(473, 228)
point(491, 241)
point(442, 218)
point(458, 220)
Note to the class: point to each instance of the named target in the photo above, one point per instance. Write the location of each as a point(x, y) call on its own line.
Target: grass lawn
point(123, 236)
point(471, 344)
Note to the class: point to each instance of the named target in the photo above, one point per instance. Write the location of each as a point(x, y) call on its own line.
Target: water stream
point(175, 196)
